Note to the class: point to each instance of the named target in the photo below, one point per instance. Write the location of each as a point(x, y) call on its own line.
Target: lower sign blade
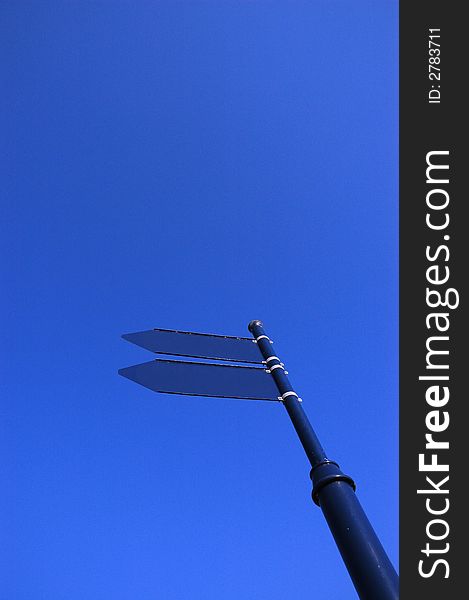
point(203, 379)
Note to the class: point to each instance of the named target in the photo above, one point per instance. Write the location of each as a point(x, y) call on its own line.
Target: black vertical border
point(426, 127)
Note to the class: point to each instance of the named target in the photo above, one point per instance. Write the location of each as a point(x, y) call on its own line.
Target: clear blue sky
point(193, 165)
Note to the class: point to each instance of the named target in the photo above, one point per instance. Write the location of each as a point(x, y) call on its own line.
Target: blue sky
point(193, 165)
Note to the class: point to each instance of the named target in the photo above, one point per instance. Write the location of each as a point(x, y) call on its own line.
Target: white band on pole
point(286, 394)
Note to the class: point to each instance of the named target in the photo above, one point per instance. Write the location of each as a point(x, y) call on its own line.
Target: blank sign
point(203, 379)
point(197, 345)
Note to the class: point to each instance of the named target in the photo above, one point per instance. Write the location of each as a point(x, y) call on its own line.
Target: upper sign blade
point(197, 345)
point(203, 379)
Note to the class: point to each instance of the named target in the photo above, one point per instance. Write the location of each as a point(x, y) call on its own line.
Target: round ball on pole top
point(255, 323)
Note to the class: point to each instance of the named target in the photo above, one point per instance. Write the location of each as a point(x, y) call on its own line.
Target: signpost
point(369, 567)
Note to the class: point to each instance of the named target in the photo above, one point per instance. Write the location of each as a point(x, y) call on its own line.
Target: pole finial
point(255, 323)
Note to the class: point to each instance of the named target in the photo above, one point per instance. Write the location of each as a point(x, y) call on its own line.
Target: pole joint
point(325, 472)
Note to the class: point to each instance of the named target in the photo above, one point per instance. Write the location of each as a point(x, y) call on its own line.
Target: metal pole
point(372, 573)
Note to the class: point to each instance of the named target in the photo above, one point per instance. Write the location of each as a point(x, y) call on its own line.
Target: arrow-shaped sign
point(203, 379)
point(197, 345)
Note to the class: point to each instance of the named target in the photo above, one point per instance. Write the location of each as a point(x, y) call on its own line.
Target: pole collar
point(327, 472)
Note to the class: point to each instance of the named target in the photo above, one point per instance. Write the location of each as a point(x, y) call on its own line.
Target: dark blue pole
point(371, 571)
